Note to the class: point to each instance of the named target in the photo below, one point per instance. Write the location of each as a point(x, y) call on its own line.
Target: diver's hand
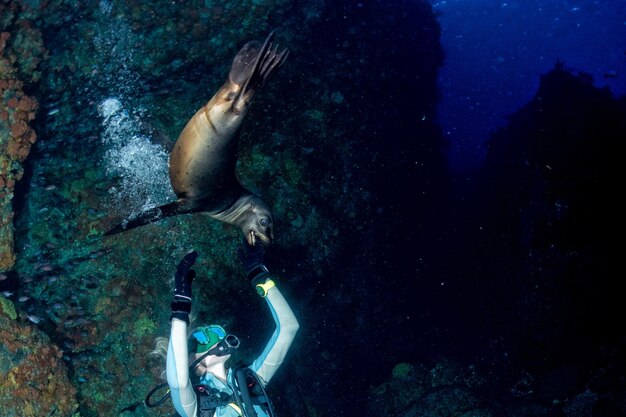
point(181, 304)
point(184, 276)
point(251, 258)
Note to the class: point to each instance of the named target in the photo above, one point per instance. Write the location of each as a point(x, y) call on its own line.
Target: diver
point(224, 392)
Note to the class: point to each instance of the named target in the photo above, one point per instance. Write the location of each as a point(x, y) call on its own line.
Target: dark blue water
point(496, 50)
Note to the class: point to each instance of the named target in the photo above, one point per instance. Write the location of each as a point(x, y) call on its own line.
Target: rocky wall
point(21, 51)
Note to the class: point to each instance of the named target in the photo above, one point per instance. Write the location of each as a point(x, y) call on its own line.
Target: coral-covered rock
point(21, 50)
point(443, 390)
point(33, 375)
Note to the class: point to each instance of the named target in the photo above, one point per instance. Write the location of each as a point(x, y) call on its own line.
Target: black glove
point(181, 304)
point(251, 258)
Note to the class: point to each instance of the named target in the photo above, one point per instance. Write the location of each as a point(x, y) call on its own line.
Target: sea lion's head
point(259, 227)
point(254, 218)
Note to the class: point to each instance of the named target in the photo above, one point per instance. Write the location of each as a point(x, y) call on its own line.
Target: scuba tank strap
point(242, 393)
point(209, 400)
point(249, 391)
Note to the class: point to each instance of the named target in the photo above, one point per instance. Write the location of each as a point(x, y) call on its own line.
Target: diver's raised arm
point(287, 325)
point(177, 369)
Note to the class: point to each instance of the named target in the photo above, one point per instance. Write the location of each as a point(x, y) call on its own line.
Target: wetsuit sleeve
point(181, 389)
point(286, 327)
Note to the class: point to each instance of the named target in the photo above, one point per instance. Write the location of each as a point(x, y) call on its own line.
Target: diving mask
point(214, 338)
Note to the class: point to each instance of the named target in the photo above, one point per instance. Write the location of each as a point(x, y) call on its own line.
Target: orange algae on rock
point(18, 129)
point(33, 376)
point(16, 134)
point(27, 104)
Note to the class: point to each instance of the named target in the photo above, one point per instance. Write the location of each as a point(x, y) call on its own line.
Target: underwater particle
point(315, 114)
point(336, 97)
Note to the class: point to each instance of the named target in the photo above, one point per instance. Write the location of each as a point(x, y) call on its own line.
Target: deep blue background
point(496, 51)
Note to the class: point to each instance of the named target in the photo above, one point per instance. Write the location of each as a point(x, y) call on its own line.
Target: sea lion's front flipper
point(152, 215)
point(252, 67)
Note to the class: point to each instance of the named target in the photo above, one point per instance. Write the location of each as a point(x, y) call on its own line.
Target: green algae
point(8, 308)
point(144, 326)
point(402, 370)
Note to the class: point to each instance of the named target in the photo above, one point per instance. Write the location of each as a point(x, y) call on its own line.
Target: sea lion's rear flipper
point(152, 215)
point(253, 66)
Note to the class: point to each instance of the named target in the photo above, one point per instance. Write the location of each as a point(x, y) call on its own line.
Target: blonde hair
point(160, 351)
point(161, 342)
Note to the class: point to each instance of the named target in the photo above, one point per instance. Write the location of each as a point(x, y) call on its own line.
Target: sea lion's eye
point(263, 222)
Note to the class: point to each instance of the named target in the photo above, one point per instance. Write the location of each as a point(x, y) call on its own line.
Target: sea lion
point(202, 163)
